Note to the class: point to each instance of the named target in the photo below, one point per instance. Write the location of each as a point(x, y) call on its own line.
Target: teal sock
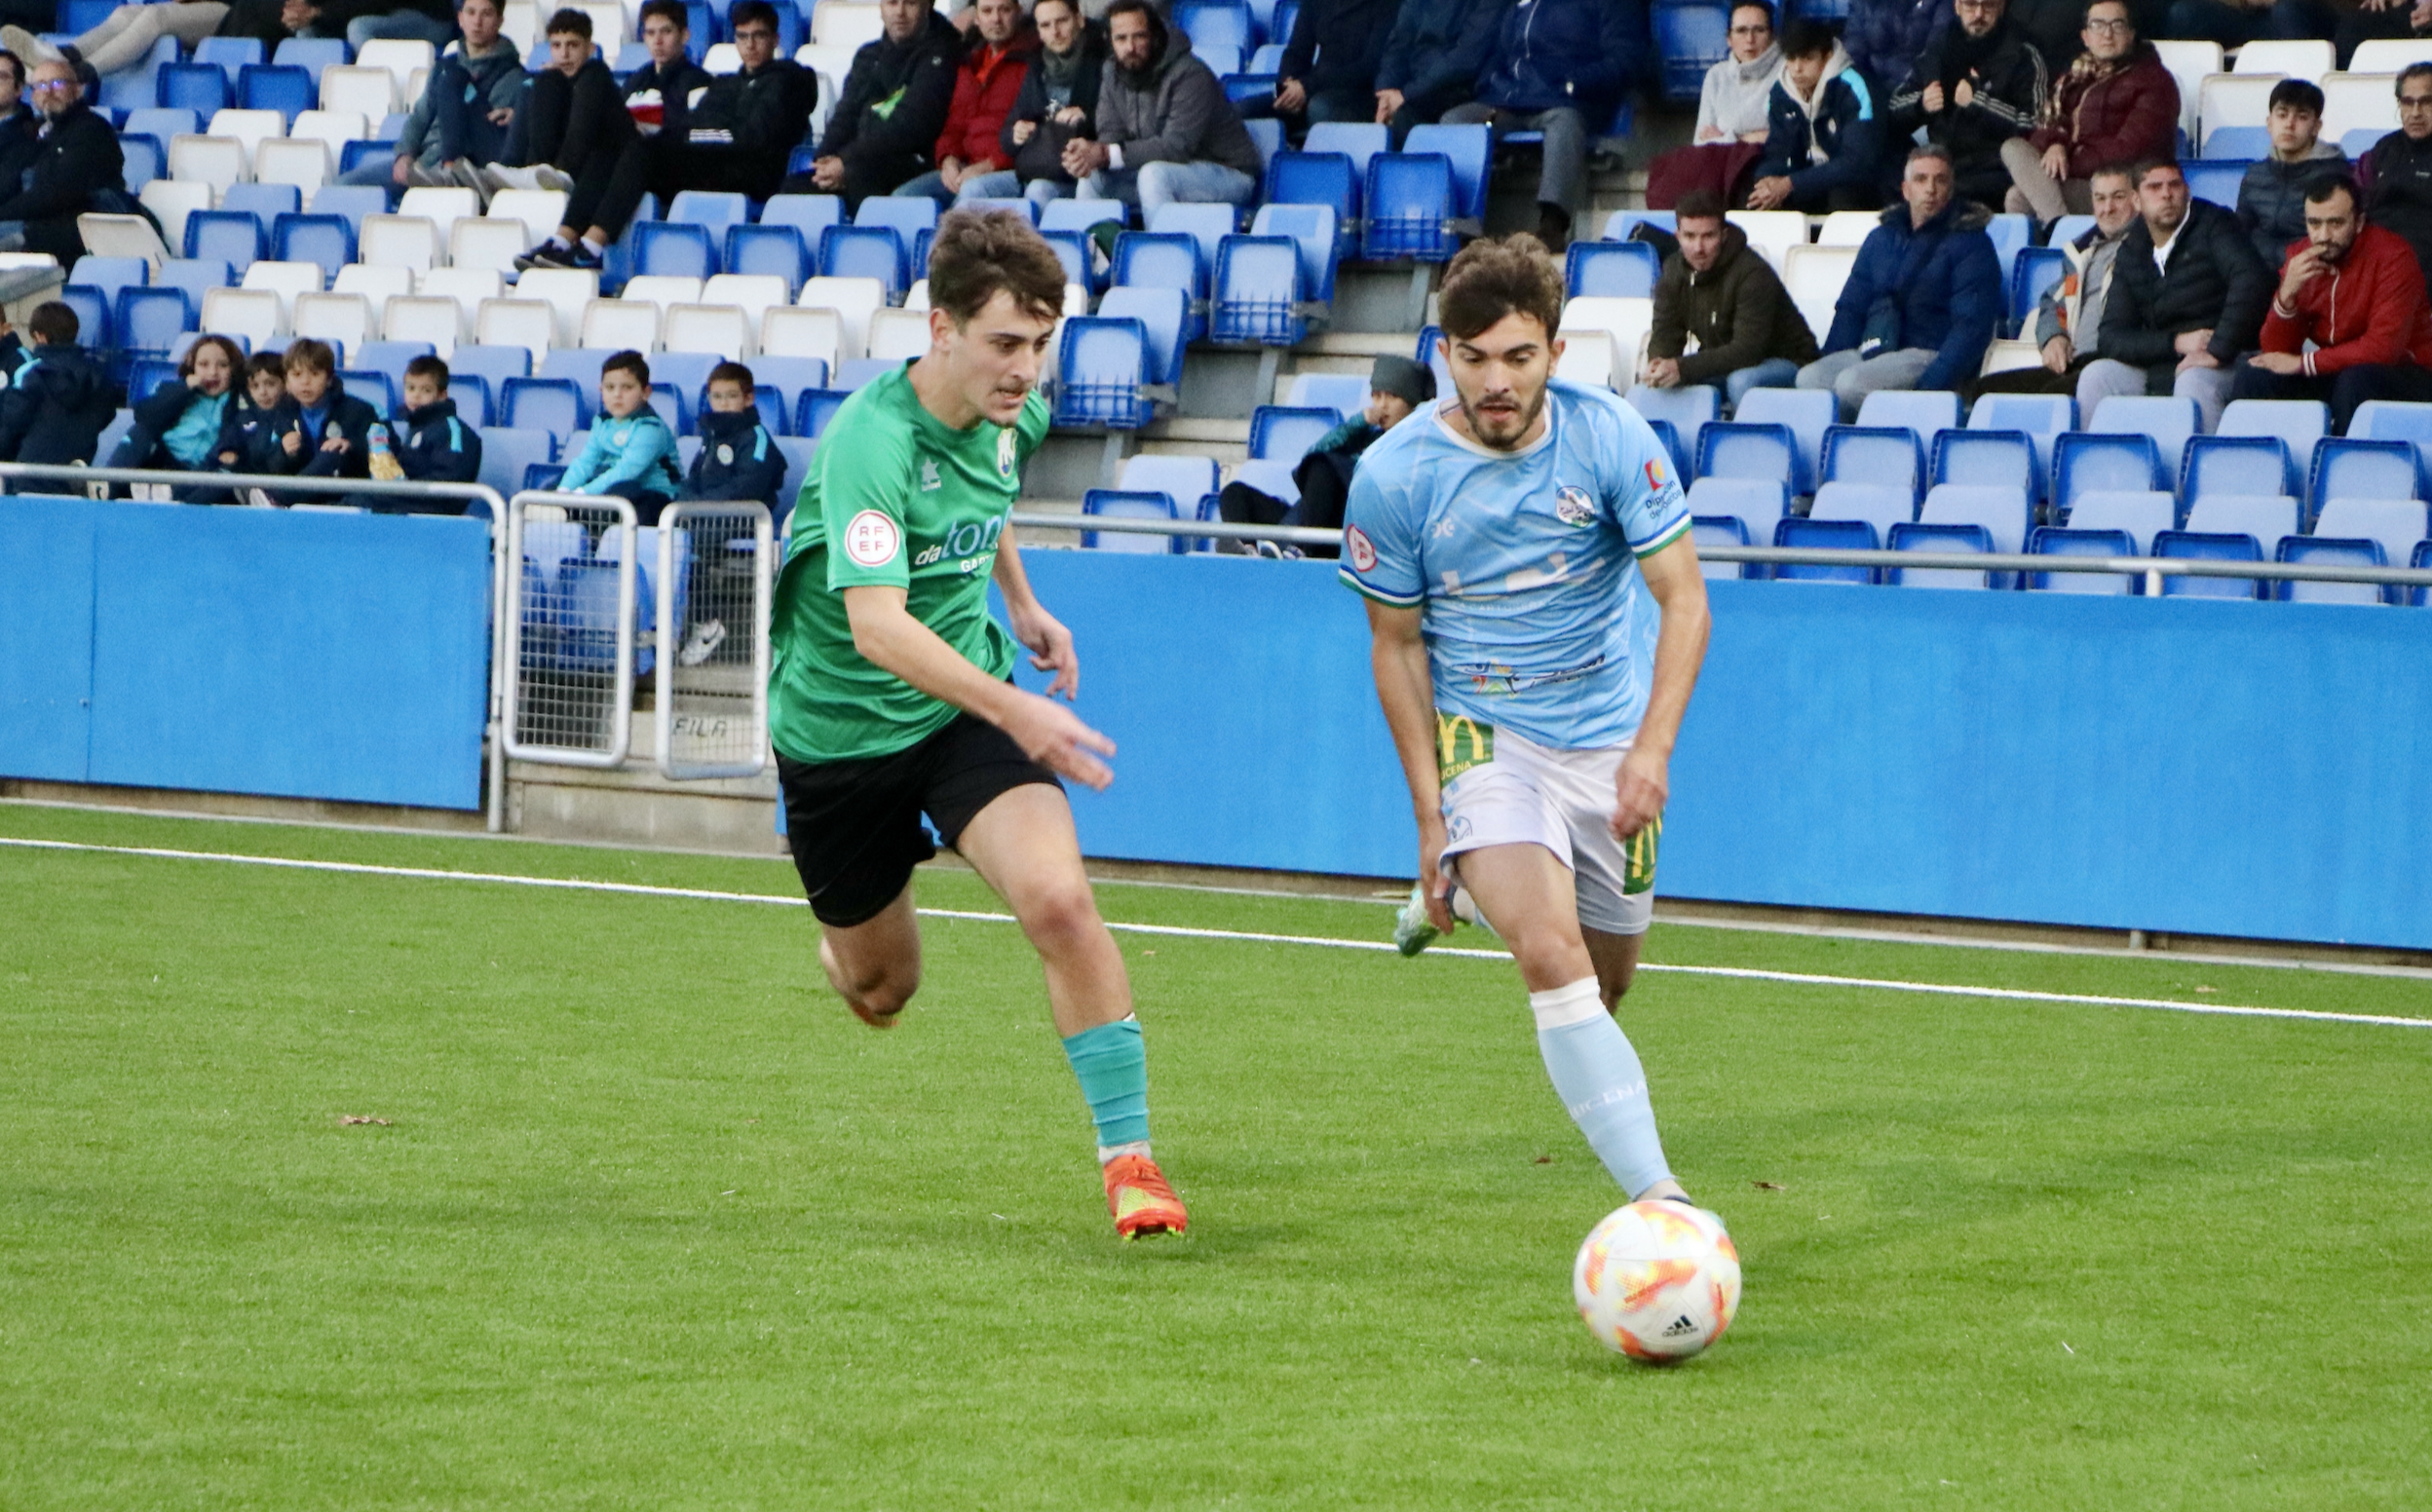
point(1601, 1083)
point(1111, 1064)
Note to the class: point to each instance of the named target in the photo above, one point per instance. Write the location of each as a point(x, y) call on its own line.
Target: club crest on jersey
point(1363, 549)
point(1004, 454)
point(1572, 505)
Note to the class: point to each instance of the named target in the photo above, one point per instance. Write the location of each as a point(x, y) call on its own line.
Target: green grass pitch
point(654, 1223)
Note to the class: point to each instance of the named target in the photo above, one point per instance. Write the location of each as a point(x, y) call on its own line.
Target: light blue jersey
point(1524, 564)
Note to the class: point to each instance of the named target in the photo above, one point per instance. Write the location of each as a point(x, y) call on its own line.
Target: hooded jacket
point(1737, 310)
point(2009, 86)
point(1182, 116)
point(1041, 157)
point(758, 115)
point(738, 458)
point(434, 447)
point(1737, 97)
point(2214, 282)
point(57, 408)
point(1337, 45)
point(1886, 37)
point(636, 449)
point(462, 89)
point(2125, 118)
point(1936, 286)
point(986, 86)
point(166, 408)
point(21, 138)
point(2400, 197)
point(1840, 145)
point(343, 414)
point(1437, 48)
point(1555, 53)
point(2368, 309)
point(2272, 197)
point(245, 435)
point(895, 101)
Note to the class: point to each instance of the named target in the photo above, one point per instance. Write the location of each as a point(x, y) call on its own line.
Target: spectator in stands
point(2366, 20)
point(741, 134)
point(1559, 67)
point(2237, 22)
point(1058, 101)
point(1922, 297)
point(632, 452)
point(658, 94)
point(1396, 388)
point(1731, 115)
point(739, 458)
point(2272, 197)
point(57, 408)
point(368, 21)
point(246, 437)
point(125, 36)
point(20, 126)
point(1886, 37)
point(2069, 318)
point(1165, 131)
point(2400, 167)
point(892, 108)
point(466, 115)
point(1432, 59)
point(319, 429)
point(434, 446)
point(1329, 69)
point(2117, 104)
point(1749, 334)
point(571, 129)
point(2189, 296)
point(177, 424)
point(1982, 84)
point(2356, 294)
point(77, 166)
point(1825, 151)
point(996, 63)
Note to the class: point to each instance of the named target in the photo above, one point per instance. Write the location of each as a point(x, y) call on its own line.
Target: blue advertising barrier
point(340, 656)
point(2190, 766)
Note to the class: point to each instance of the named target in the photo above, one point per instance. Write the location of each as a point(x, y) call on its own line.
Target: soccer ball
point(1657, 1280)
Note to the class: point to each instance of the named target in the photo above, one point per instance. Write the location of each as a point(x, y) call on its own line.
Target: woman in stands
point(177, 424)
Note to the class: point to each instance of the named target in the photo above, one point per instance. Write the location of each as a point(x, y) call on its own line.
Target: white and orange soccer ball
point(1657, 1280)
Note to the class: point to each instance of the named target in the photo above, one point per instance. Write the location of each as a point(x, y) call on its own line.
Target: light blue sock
point(1600, 1081)
point(1111, 1064)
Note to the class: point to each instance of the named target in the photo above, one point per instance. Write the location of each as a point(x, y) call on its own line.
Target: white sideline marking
point(703, 894)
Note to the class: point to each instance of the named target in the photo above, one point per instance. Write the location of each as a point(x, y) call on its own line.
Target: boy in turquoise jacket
point(632, 452)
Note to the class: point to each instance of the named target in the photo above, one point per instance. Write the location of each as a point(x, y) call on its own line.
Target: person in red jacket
point(2356, 292)
point(985, 87)
point(2116, 105)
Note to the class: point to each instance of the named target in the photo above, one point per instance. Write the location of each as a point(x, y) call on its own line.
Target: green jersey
point(894, 499)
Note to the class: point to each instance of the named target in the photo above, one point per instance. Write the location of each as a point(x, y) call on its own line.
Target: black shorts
point(856, 828)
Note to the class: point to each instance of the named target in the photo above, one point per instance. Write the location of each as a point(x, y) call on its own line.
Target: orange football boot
point(1141, 1200)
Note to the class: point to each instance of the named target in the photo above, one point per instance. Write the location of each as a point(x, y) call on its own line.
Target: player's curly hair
point(1492, 278)
point(976, 255)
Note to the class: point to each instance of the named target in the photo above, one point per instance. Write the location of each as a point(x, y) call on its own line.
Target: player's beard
point(1502, 429)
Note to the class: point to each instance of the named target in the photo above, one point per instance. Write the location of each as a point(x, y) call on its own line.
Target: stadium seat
point(2042, 416)
point(234, 237)
point(854, 299)
point(372, 387)
point(1814, 277)
point(311, 53)
point(1345, 394)
point(2266, 517)
point(766, 251)
point(706, 328)
point(2035, 272)
point(1880, 505)
point(170, 201)
point(2084, 461)
point(1688, 39)
point(344, 321)
point(1612, 268)
point(202, 87)
point(326, 240)
point(230, 54)
point(1825, 535)
point(1807, 412)
point(2053, 540)
point(1468, 149)
point(284, 89)
point(301, 163)
point(898, 335)
point(1119, 504)
point(493, 364)
point(1626, 325)
point(109, 275)
point(93, 314)
point(2195, 545)
point(2349, 467)
point(391, 357)
point(147, 322)
point(816, 408)
point(1708, 531)
point(2235, 464)
point(2216, 180)
point(1102, 366)
point(1690, 407)
point(1772, 234)
point(1621, 223)
point(552, 405)
point(194, 274)
point(250, 314)
point(1312, 229)
point(668, 248)
point(2298, 423)
point(2168, 420)
point(507, 453)
point(2190, 63)
point(529, 323)
point(440, 321)
point(2394, 524)
point(1326, 178)
point(1923, 412)
point(2001, 512)
point(1258, 289)
point(1847, 228)
point(1412, 208)
point(1885, 455)
point(1161, 314)
point(872, 252)
point(1941, 536)
point(2010, 235)
point(816, 335)
point(2330, 552)
point(2306, 59)
point(1280, 433)
point(621, 323)
point(1149, 259)
point(2231, 99)
point(2242, 143)
point(1747, 449)
point(2139, 517)
point(410, 241)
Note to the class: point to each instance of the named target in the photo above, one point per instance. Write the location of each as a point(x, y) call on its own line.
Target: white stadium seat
point(620, 324)
point(170, 202)
point(1627, 321)
point(2190, 63)
point(1847, 228)
point(2235, 100)
point(723, 58)
point(2389, 55)
point(250, 127)
point(377, 285)
point(530, 324)
point(213, 161)
point(855, 299)
point(287, 279)
point(443, 207)
point(723, 329)
point(397, 242)
point(2007, 356)
point(1814, 278)
point(344, 321)
point(567, 292)
point(432, 318)
point(661, 289)
point(400, 58)
point(789, 331)
point(2293, 59)
point(482, 241)
point(302, 161)
point(898, 335)
point(250, 313)
point(468, 286)
point(750, 292)
point(844, 23)
point(540, 212)
point(371, 93)
point(2358, 102)
point(1772, 233)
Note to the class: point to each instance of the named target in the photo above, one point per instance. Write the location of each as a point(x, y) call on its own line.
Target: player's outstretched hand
point(1640, 787)
point(1054, 736)
point(1439, 888)
point(1051, 647)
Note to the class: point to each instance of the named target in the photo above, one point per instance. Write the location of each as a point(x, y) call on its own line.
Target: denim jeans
point(377, 172)
point(1774, 372)
point(2104, 379)
point(1006, 184)
point(1852, 378)
point(1154, 185)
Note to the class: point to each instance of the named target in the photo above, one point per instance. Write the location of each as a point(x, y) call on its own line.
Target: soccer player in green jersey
point(891, 693)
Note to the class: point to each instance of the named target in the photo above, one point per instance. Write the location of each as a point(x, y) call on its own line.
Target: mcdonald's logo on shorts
point(1460, 743)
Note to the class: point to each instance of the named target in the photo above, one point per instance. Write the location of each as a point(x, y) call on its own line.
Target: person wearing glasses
point(1731, 122)
point(1982, 84)
point(2117, 104)
point(76, 163)
point(2400, 167)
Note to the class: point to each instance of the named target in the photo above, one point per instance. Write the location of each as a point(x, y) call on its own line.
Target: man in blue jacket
point(1432, 59)
point(1560, 67)
point(1923, 298)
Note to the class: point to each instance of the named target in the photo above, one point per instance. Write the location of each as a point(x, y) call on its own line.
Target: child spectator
point(2271, 198)
point(739, 458)
point(436, 446)
point(320, 430)
point(60, 402)
point(1396, 386)
point(178, 425)
point(246, 438)
point(632, 452)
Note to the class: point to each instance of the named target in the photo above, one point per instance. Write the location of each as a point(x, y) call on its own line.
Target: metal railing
point(568, 657)
point(713, 693)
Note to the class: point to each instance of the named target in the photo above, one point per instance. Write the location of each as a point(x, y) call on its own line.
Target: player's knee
point(1063, 917)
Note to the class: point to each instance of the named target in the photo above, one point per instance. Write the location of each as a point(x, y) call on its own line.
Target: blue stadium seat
point(149, 320)
point(2421, 597)
point(778, 250)
point(202, 87)
point(144, 377)
point(1186, 480)
point(1425, 353)
point(1673, 446)
point(907, 216)
point(855, 371)
point(2235, 464)
point(718, 211)
point(162, 122)
point(1690, 408)
point(506, 455)
point(2035, 270)
point(194, 274)
point(1887, 456)
point(2042, 416)
point(145, 158)
point(689, 373)
point(1756, 503)
point(1280, 25)
point(495, 364)
point(2067, 229)
point(1217, 24)
point(866, 252)
point(665, 249)
point(354, 202)
point(1073, 251)
point(1279, 433)
point(1747, 449)
point(2299, 424)
point(1412, 205)
point(1326, 178)
point(328, 239)
point(1712, 530)
point(1345, 394)
point(93, 314)
point(139, 87)
point(1689, 39)
point(2196, 546)
point(372, 387)
point(1124, 504)
point(1940, 536)
point(1469, 149)
point(2001, 512)
point(312, 54)
point(2010, 235)
point(2268, 517)
point(798, 452)
point(2139, 517)
point(2385, 420)
point(1880, 505)
point(289, 91)
point(2396, 524)
point(816, 407)
point(1621, 223)
point(109, 275)
point(1824, 534)
point(1162, 314)
point(1067, 215)
point(1028, 209)
point(1101, 368)
point(575, 366)
point(2054, 541)
point(356, 154)
point(230, 54)
point(673, 404)
point(1149, 259)
point(807, 214)
point(2346, 467)
point(1258, 292)
point(1808, 412)
point(266, 203)
point(2216, 179)
point(790, 376)
point(1207, 226)
point(2330, 552)
point(1923, 412)
point(2166, 419)
point(552, 404)
point(1313, 228)
point(2084, 461)
point(1359, 140)
point(476, 405)
point(2242, 143)
point(1623, 270)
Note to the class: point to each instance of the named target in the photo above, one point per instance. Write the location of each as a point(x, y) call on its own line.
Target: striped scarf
point(2082, 76)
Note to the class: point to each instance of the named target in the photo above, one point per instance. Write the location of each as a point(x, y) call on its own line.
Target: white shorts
point(1501, 789)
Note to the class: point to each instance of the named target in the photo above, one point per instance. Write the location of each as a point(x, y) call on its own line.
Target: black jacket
point(436, 448)
point(738, 460)
point(20, 142)
point(76, 159)
point(1737, 310)
point(246, 438)
point(1437, 47)
point(1042, 155)
point(2009, 85)
point(894, 102)
point(1337, 44)
point(57, 408)
point(157, 413)
point(2216, 283)
point(762, 115)
point(675, 85)
point(1848, 127)
point(2401, 198)
point(347, 416)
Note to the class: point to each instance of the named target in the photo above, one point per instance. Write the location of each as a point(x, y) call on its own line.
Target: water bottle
point(384, 464)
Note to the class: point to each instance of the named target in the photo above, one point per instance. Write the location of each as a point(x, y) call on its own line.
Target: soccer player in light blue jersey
point(1507, 540)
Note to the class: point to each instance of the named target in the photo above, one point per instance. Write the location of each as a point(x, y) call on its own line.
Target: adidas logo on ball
point(1680, 1326)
